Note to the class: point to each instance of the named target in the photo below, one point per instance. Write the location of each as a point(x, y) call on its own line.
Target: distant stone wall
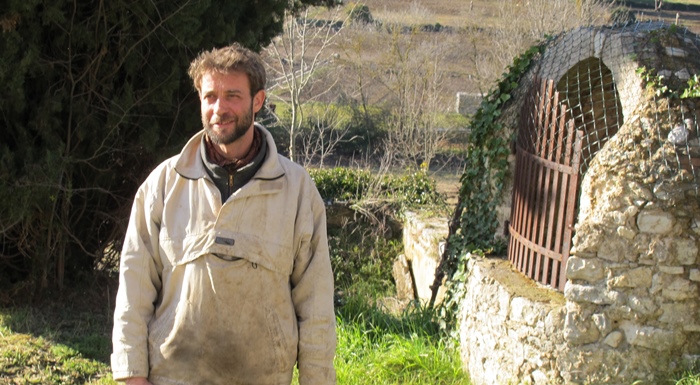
point(467, 103)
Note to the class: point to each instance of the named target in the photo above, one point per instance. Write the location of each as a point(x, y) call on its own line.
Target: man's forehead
point(226, 80)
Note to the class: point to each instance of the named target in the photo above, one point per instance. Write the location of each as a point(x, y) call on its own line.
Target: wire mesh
point(629, 90)
point(636, 74)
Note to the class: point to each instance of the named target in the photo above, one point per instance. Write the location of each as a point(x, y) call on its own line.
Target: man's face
point(227, 107)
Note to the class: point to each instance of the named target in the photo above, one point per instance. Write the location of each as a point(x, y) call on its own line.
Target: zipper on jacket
point(230, 183)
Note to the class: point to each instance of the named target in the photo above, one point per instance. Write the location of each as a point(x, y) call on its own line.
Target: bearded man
point(225, 276)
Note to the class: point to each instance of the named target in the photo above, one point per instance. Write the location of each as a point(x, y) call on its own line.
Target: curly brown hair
point(228, 59)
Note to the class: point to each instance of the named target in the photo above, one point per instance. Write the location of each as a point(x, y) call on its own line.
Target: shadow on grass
point(79, 318)
point(415, 320)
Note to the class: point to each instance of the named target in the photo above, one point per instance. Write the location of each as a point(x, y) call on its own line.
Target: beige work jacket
point(225, 294)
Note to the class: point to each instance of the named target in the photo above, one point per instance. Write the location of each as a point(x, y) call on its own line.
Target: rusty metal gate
point(548, 153)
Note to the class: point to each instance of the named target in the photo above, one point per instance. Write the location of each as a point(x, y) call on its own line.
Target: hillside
point(479, 38)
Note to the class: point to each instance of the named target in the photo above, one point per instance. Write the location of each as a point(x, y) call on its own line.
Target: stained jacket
point(232, 293)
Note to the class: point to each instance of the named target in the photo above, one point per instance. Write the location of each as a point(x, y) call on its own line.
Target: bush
point(404, 190)
point(360, 13)
point(362, 258)
point(341, 183)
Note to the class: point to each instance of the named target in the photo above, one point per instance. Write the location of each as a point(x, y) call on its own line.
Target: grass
point(61, 346)
point(51, 346)
point(402, 349)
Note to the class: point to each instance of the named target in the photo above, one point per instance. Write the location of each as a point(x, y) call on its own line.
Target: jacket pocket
point(284, 344)
point(259, 250)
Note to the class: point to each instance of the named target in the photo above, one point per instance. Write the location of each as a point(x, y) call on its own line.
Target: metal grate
point(598, 94)
point(548, 154)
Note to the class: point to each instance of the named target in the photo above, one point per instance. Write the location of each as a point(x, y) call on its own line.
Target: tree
point(296, 57)
point(414, 75)
point(93, 95)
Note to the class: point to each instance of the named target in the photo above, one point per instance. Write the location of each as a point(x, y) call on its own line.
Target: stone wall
point(633, 275)
point(414, 271)
point(511, 330)
point(630, 310)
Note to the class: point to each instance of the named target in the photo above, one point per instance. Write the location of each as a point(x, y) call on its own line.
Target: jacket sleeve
point(312, 293)
point(139, 285)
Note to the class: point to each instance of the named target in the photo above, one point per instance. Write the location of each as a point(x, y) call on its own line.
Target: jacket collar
point(190, 165)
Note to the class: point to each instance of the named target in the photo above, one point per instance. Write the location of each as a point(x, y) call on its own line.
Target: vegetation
point(93, 96)
point(411, 189)
point(390, 349)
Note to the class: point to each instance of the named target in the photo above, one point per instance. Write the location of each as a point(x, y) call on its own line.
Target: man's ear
point(258, 101)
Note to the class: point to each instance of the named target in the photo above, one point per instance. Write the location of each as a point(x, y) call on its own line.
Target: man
point(225, 276)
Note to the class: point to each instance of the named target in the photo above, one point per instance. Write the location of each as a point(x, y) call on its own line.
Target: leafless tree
point(324, 135)
point(414, 75)
point(294, 60)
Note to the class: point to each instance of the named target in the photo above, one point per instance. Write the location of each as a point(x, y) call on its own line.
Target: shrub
point(404, 190)
point(360, 13)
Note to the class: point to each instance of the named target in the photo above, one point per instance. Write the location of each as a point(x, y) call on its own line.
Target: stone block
point(402, 276)
point(614, 249)
point(683, 74)
point(626, 232)
point(685, 251)
point(649, 337)
point(680, 289)
point(676, 52)
point(614, 339)
point(658, 251)
point(642, 305)
point(655, 221)
point(579, 331)
point(673, 270)
point(602, 322)
point(590, 270)
point(695, 275)
point(678, 313)
point(639, 277)
point(592, 294)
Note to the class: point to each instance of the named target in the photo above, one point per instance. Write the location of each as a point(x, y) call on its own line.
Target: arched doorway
point(589, 89)
point(562, 128)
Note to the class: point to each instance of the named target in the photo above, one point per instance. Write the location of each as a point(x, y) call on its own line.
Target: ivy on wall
point(474, 222)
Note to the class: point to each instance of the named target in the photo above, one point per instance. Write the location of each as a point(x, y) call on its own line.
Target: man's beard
point(241, 125)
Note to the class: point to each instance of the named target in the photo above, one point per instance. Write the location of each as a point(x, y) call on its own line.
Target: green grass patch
point(26, 359)
point(394, 349)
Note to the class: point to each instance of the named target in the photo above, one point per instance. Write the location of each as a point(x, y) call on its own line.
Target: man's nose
point(218, 106)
